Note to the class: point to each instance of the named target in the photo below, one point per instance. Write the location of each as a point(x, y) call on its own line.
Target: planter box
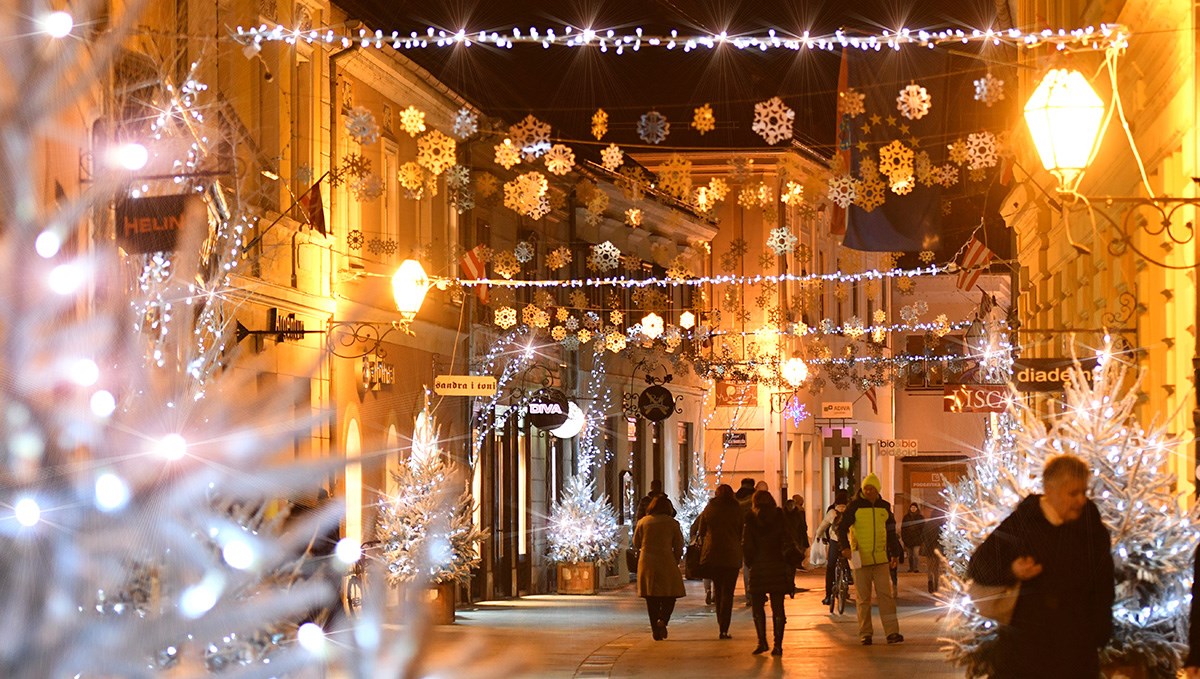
point(577, 578)
point(441, 603)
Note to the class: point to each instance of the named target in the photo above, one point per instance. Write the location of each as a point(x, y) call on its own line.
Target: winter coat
point(764, 537)
point(1193, 656)
point(797, 524)
point(1063, 617)
point(719, 530)
point(827, 529)
point(931, 538)
point(659, 542)
point(874, 528)
point(912, 529)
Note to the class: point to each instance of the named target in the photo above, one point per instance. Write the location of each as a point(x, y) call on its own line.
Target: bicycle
point(354, 584)
point(841, 586)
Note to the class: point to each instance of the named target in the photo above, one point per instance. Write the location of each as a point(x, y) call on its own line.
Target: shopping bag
point(817, 555)
point(995, 601)
point(691, 563)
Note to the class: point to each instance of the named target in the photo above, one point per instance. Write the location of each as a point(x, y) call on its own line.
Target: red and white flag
point(474, 268)
point(975, 260)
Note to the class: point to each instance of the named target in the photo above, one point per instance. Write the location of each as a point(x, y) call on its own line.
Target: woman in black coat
point(719, 530)
point(765, 538)
point(912, 534)
point(1192, 662)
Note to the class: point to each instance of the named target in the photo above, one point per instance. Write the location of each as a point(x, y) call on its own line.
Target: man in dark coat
point(1192, 662)
point(744, 495)
point(656, 489)
point(1057, 547)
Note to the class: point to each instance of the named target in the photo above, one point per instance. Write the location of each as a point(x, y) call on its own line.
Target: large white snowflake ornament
point(913, 102)
point(361, 125)
point(653, 127)
point(703, 119)
point(599, 124)
point(466, 123)
point(782, 241)
point(507, 154)
point(773, 120)
point(989, 89)
point(412, 121)
point(435, 152)
point(525, 193)
point(560, 159)
point(981, 150)
point(523, 252)
point(850, 103)
point(843, 189)
point(611, 157)
point(531, 137)
point(605, 256)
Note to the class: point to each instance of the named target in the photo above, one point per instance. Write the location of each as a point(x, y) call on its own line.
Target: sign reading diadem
point(464, 385)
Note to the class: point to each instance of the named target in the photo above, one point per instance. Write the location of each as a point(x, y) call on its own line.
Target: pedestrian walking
point(912, 534)
point(659, 542)
point(765, 540)
point(720, 533)
point(827, 531)
point(744, 495)
point(1191, 664)
point(793, 518)
point(1056, 550)
point(656, 489)
point(696, 539)
point(801, 518)
point(877, 551)
point(932, 546)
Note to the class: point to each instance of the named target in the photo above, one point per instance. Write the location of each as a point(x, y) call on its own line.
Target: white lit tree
point(426, 527)
point(1153, 537)
point(582, 528)
point(694, 500)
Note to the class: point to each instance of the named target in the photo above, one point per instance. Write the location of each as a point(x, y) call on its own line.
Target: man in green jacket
point(870, 518)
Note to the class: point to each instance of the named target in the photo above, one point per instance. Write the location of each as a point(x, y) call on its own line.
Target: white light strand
point(837, 277)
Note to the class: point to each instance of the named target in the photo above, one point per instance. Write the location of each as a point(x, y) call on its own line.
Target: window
point(931, 372)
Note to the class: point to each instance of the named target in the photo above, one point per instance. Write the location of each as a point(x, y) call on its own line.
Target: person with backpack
point(827, 531)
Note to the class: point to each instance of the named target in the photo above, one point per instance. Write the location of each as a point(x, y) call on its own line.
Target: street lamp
point(794, 371)
point(1064, 115)
point(409, 285)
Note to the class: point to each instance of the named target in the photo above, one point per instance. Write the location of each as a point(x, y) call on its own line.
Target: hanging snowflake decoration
point(653, 127)
point(558, 258)
point(605, 256)
point(958, 152)
point(615, 342)
point(356, 165)
point(523, 252)
point(748, 197)
point(879, 317)
point(981, 149)
point(896, 159)
point(507, 154)
point(703, 120)
point(908, 314)
point(611, 157)
point(843, 190)
point(616, 317)
point(947, 175)
point(599, 124)
point(505, 264)
point(633, 217)
point(466, 123)
point(578, 299)
point(533, 316)
point(718, 188)
point(773, 120)
point(571, 323)
point(905, 285)
point(367, 188)
point(942, 325)
point(854, 328)
point(584, 335)
point(505, 317)
point(541, 209)
point(596, 207)
point(793, 193)
point(902, 186)
point(675, 177)
point(412, 121)
point(435, 152)
point(989, 89)
point(767, 259)
point(570, 343)
point(531, 137)
point(927, 256)
point(354, 240)
point(361, 126)
point(913, 102)
point(411, 176)
point(850, 103)
point(782, 241)
point(458, 177)
point(679, 269)
point(870, 193)
point(525, 193)
point(486, 185)
point(923, 169)
point(702, 200)
point(560, 159)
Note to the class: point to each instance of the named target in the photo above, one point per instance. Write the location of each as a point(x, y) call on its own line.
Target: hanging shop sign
point(464, 385)
point(734, 439)
point(1048, 374)
point(975, 398)
point(837, 410)
point(896, 447)
point(376, 373)
point(548, 408)
point(285, 326)
point(153, 224)
point(737, 393)
point(656, 403)
point(837, 441)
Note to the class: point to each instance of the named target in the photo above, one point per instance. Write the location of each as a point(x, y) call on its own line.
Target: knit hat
point(871, 480)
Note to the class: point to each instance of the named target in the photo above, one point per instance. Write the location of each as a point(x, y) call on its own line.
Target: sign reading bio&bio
point(835, 410)
point(464, 385)
point(896, 447)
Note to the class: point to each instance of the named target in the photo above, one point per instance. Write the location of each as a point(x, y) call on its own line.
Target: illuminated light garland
point(836, 276)
point(1104, 37)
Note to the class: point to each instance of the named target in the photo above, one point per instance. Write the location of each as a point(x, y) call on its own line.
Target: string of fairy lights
point(730, 279)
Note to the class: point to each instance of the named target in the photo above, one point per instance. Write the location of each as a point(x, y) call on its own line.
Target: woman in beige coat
point(659, 542)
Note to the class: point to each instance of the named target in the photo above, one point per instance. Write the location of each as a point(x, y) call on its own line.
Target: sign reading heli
point(896, 447)
point(975, 398)
point(464, 385)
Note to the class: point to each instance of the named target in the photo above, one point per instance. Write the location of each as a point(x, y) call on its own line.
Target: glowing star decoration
point(773, 120)
point(531, 137)
point(981, 150)
point(703, 120)
point(611, 157)
point(793, 193)
point(523, 252)
point(605, 256)
point(843, 190)
point(361, 126)
point(435, 152)
point(412, 121)
point(896, 159)
point(913, 102)
point(466, 123)
point(782, 240)
point(599, 124)
point(505, 317)
point(560, 159)
point(526, 193)
point(989, 89)
point(850, 103)
point(507, 154)
point(558, 258)
point(633, 217)
point(675, 177)
point(653, 127)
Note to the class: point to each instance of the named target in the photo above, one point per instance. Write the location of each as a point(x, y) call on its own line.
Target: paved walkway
point(608, 635)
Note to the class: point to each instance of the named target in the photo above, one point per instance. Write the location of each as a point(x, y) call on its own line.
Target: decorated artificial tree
point(582, 535)
point(1153, 537)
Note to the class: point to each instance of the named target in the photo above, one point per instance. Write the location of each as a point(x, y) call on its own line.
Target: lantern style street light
point(1064, 115)
point(409, 286)
point(794, 371)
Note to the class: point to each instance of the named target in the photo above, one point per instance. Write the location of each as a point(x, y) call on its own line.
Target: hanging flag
point(474, 268)
point(873, 397)
point(975, 260)
point(314, 208)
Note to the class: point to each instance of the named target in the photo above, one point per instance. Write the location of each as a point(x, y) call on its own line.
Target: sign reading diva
point(464, 385)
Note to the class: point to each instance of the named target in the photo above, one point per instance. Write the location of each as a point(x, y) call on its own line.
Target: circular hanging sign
point(656, 403)
point(548, 408)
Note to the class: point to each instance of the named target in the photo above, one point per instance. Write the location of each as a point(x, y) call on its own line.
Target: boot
point(760, 626)
point(778, 649)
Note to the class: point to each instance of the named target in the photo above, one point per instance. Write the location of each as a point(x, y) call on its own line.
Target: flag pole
point(295, 201)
